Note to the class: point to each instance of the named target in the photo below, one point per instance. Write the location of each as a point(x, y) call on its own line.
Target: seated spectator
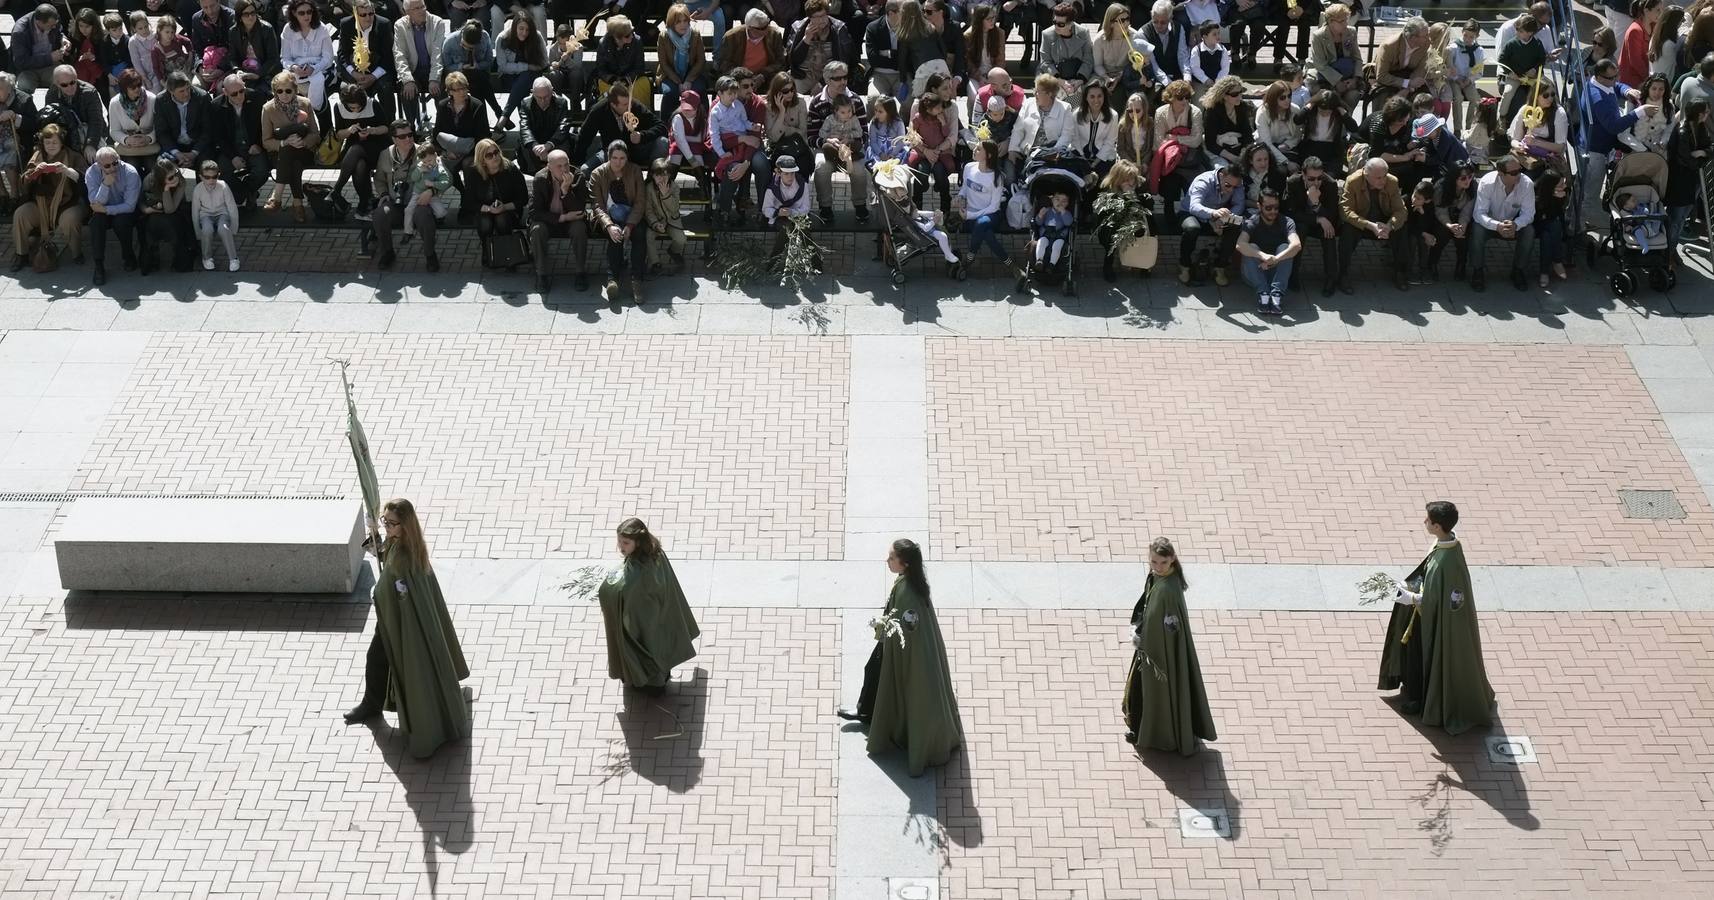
point(173, 52)
point(425, 187)
point(131, 122)
point(1312, 198)
point(559, 208)
point(1520, 58)
point(209, 30)
point(982, 195)
point(1327, 130)
point(836, 82)
point(418, 37)
point(880, 48)
point(38, 44)
point(364, 124)
point(886, 139)
point(1000, 85)
point(1442, 149)
point(215, 212)
point(1214, 205)
point(1044, 124)
point(932, 152)
point(1335, 59)
point(1268, 244)
point(470, 54)
point(1552, 201)
point(1001, 124)
point(113, 188)
point(922, 52)
point(1401, 64)
point(1051, 230)
point(1178, 142)
point(736, 141)
point(1135, 127)
point(392, 174)
point(619, 61)
point(1207, 61)
point(1095, 131)
point(787, 121)
point(289, 132)
point(664, 217)
point(567, 69)
point(841, 141)
point(365, 52)
point(85, 54)
point(142, 47)
point(755, 45)
point(164, 212)
point(709, 11)
point(306, 51)
point(616, 199)
point(1277, 126)
point(620, 118)
point(1066, 51)
point(1124, 178)
point(681, 62)
point(496, 188)
point(1228, 121)
point(461, 12)
point(546, 126)
point(459, 122)
point(84, 102)
point(817, 40)
point(1547, 145)
point(1260, 174)
point(182, 116)
point(253, 47)
point(1454, 209)
point(1372, 208)
point(935, 12)
point(52, 193)
point(522, 57)
point(17, 137)
point(1167, 37)
point(1112, 49)
point(235, 140)
point(787, 197)
point(1505, 208)
point(984, 50)
point(688, 147)
point(1388, 134)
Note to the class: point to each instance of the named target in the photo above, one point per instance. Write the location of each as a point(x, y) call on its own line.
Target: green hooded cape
point(649, 623)
point(425, 662)
point(914, 706)
point(1447, 645)
point(1166, 714)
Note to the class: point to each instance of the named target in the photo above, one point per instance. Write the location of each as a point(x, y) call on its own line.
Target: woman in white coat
point(1095, 131)
point(131, 123)
point(306, 51)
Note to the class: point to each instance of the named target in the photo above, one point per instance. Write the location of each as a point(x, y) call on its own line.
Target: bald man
point(559, 208)
point(1372, 208)
point(113, 188)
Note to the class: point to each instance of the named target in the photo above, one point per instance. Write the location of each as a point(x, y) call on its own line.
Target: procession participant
point(649, 624)
point(1165, 705)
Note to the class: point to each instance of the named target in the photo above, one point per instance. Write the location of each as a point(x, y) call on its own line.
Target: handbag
point(328, 153)
point(47, 255)
point(508, 250)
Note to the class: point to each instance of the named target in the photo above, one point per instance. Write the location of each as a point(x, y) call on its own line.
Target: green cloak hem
point(915, 709)
point(650, 627)
point(425, 661)
point(1456, 693)
point(1166, 714)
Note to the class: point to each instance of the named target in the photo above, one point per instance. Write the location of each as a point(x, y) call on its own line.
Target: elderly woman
point(459, 122)
point(52, 198)
point(1334, 57)
point(131, 122)
point(496, 188)
point(290, 133)
point(306, 51)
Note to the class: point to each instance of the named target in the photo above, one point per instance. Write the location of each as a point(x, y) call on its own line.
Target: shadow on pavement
point(1199, 782)
point(1465, 767)
point(437, 790)
point(663, 735)
point(141, 611)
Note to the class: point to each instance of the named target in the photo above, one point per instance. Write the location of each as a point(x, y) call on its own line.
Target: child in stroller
point(906, 231)
point(1052, 229)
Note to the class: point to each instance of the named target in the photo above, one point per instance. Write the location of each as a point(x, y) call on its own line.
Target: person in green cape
point(1165, 705)
point(907, 699)
point(1433, 649)
point(415, 662)
point(649, 624)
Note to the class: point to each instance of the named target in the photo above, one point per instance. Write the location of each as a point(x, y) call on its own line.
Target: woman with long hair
point(1327, 130)
point(1228, 121)
point(306, 51)
point(681, 61)
point(932, 154)
point(415, 662)
point(1552, 201)
point(983, 197)
point(984, 46)
point(521, 56)
point(1454, 208)
point(1113, 48)
point(1178, 141)
point(1165, 703)
point(496, 186)
point(648, 622)
point(920, 51)
point(1277, 126)
point(1664, 44)
point(253, 46)
point(1134, 141)
point(1634, 46)
point(1688, 150)
point(1095, 129)
point(1123, 178)
point(364, 123)
point(1654, 117)
point(907, 700)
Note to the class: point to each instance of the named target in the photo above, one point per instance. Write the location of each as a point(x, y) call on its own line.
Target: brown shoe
point(636, 290)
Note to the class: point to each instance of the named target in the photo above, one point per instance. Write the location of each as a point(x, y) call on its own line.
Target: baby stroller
point(1042, 185)
point(906, 232)
point(1636, 236)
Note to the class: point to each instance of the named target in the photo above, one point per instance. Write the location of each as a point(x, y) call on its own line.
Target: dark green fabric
point(1401, 662)
point(1169, 714)
point(915, 709)
point(649, 623)
point(1456, 696)
point(424, 658)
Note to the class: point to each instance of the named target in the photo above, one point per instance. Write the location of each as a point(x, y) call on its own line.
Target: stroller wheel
point(1663, 280)
point(1070, 286)
point(898, 276)
point(960, 271)
point(1623, 283)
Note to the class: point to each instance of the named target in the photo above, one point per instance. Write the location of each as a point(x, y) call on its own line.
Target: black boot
point(374, 684)
point(19, 262)
point(1107, 270)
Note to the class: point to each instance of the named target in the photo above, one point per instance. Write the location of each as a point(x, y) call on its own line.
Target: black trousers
point(120, 224)
point(1398, 244)
point(871, 683)
point(639, 253)
point(376, 669)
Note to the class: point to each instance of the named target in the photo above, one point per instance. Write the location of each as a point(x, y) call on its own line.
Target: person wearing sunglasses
point(89, 133)
point(306, 51)
point(290, 133)
point(373, 72)
point(235, 139)
point(165, 217)
point(113, 188)
point(1066, 50)
point(253, 46)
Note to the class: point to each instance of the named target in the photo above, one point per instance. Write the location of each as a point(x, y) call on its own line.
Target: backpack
point(1018, 210)
point(60, 114)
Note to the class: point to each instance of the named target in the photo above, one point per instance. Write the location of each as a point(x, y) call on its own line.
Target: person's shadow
point(1465, 767)
point(957, 809)
point(1200, 783)
point(438, 791)
point(942, 802)
point(663, 735)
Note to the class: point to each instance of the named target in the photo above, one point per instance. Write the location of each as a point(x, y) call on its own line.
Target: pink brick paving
point(1081, 450)
point(513, 446)
point(1334, 793)
point(187, 750)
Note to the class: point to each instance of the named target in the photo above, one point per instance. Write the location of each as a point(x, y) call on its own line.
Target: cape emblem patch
point(400, 586)
point(1171, 623)
point(1457, 599)
point(909, 618)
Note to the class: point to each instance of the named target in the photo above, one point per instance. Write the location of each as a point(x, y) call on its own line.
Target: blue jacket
point(122, 197)
point(1203, 197)
point(1604, 123)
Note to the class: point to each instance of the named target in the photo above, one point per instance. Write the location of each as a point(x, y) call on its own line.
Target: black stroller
point(1042, 185)
point(906, 232)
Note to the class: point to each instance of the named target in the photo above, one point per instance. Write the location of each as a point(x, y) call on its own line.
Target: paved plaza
point(190, 746)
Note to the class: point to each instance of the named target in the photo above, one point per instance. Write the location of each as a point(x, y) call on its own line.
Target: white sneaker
point(232, 266)
point(208, 264)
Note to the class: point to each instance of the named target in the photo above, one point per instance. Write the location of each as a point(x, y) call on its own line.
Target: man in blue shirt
point(1214, 204)
point(113, 188)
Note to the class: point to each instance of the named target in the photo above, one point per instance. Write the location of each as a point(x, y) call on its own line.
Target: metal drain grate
point(1651, 504)
point(69, 496)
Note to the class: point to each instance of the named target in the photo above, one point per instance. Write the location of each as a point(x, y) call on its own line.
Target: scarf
point(681, 49)
point(779, 193)
point(135, 109)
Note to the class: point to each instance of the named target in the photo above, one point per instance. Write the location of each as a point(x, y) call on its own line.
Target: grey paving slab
point(490, 582)
point(872, 491)
point(1114, 586)
point(1277, 587)
point(1519, 328)
point(1526, 588)
point(695, 578)
point(54, 414)
point(883, 319)
point(1669, 362)
point(1692, 589)
point(88, 381)
point(735, 318)
point(1627, 589)
point(45, 450)
point(1156, 322)
point(37, 346)
point(1014, 585)
point(1663, 330)
point(887, 419)
point(500, 318)
point(1682, 395)
point(22, 312)
point(974, 318)
point(1041, 320)
point(27, 379)
point(867, 787)
point(1444, 327)
point(107, 347)
point(578, 318)
point(553, 574)
point(162, 315)
point(679, 319)
point(435, 318)
point(200, 286)
point(1235, 323)
point(871, 537)
point(745, 582)
point(862, 887)
point(81, 314)
point(238, 315)
point(319, 287)
point(40, 477)
point(889, 846)
point(1383, 326)
point(15, 414)
point(1212, 585)
point(1701, 465)
point(888, 369)
point(1306, 324)
point(343, 317)
point(23, 525)
point(858, 583)
point(1610, 328)
point(11, 566)
point(1691, 430)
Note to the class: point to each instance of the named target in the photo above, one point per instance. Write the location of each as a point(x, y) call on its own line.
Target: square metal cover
point(913, 889)
point(1650, 504)
point(1510, 749)
point(1212, 822)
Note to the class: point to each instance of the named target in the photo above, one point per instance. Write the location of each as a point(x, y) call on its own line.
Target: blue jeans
point(1267, 281)
point(982, 235)
point(760, 169)
point(669, 94)
point(1551, 234)
point(1676, 217)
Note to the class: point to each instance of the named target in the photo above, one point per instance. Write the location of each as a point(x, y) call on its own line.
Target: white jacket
point(982, 192)
point(405, 48)
point(1106, 137)
point(314, 49)
point(120, 125)
point(1052, 128)
point(1277, 135)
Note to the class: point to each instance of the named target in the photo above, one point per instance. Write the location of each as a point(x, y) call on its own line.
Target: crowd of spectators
point(165, 119)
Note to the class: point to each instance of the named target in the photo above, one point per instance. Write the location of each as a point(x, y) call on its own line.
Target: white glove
point(1136, 639)
point(1408, 598)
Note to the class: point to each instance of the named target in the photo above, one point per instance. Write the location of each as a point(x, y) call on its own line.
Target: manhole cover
point(1205, 823)
point(913, 889)
point(1510, 749)
point(1651, 505)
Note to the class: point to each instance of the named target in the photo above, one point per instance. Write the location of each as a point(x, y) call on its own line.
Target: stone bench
point(268, 546)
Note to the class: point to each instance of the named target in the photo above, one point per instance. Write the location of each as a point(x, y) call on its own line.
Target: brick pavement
point(1333, 793)
point(514, 446)
point(1079, 450)
point(156, 748)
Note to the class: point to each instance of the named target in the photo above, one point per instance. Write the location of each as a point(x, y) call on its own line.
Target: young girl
point(1052, 229)
point(886, 134)
point(1651, 128)
point(1210, 61)
point(1135, 122)
point(689, 144)
point(143, 59)
point(172, 50)
point(1484, 138)
point(662, 215)
point(86, 51)
point(1423, 228)
point(1551, 193)
point(426, 185)
point(932, 154)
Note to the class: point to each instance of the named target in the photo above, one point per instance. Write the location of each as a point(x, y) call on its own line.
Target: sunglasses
point(367, 15)
point(248, 14)
point(211, 174)
point(235, 94)
point(66, 84)
point(109, 165)
point(284, 92)
point(403, 137)
point(839, 78)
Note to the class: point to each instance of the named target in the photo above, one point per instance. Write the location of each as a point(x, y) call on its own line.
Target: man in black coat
point(83, 101)
point(881, 52)
point(546, 126)
point(234, 139)
point(181, 119)
point(817, 36)
point(606, 123)
point(210, 26)
point(368, 25)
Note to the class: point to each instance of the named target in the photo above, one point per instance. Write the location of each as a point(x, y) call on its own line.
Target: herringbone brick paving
point(1332, 792)
point(155, 748)
point(1080, 450)
point(516, 446)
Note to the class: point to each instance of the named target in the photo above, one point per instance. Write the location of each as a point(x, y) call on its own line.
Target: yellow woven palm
point(1139, 61)
point(1533, 115)
point(360, 53)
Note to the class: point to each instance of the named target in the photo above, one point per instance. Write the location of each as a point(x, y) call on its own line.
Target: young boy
point(426, 185)
point(841, 140)
point(662, 215)
point(1292, 75)
point(734, 138)
point(1000, 121)
point(787, 197)
point(1464, 68)
point(1208, 61)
